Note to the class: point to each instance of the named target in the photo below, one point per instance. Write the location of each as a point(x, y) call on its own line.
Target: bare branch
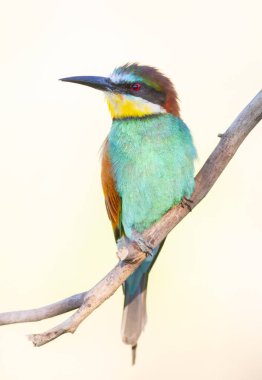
point(44, 312)
point(89, 301)
point(94, 297)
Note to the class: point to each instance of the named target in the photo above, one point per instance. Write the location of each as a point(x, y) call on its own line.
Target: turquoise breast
point(152, 159)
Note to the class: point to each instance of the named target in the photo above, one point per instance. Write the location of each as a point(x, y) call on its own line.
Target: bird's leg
point(144, 245)
point(186, 202)
point(137, 238)
point(124, 241)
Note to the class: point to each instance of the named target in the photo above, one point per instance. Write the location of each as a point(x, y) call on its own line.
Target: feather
point(112, 198)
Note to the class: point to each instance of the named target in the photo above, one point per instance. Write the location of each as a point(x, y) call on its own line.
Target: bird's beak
point(100, 83)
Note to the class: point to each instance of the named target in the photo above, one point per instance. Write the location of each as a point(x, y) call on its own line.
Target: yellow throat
point(121, 106)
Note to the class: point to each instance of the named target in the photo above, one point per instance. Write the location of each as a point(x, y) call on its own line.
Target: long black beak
point(100, 83)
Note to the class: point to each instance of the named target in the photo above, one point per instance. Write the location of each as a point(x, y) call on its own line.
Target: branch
point(130, 255)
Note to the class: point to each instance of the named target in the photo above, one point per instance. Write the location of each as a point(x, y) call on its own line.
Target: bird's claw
point(186, 202)
point(144, 245)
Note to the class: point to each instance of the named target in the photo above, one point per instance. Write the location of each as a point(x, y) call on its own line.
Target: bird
point(147, 168)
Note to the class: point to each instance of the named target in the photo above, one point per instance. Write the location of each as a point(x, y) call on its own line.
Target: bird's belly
point(147, 193)
point(149, 186)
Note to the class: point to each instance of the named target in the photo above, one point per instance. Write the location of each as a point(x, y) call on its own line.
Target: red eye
point(135, 86)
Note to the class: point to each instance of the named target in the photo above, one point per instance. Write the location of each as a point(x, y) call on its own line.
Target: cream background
point(205, 292)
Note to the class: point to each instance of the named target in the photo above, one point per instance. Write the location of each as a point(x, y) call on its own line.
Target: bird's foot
point(187, 203)
point(144, 245)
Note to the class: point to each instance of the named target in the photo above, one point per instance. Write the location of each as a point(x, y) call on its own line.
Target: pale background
point(205, 292)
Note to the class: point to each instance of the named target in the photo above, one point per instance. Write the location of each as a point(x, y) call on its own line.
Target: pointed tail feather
point(134, 313)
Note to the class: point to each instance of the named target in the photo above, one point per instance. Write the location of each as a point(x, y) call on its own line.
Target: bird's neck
point(129, 136)
point(126, 106)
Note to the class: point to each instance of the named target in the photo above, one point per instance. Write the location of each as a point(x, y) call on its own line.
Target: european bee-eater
point(147, 167)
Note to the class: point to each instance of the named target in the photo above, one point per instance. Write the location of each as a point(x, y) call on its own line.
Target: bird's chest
point(137, 151)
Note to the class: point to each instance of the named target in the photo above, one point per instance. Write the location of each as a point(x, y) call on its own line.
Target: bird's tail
point(134, 313)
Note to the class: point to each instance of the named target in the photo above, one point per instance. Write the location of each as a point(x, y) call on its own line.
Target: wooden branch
point(88, 301)
point(48, 311)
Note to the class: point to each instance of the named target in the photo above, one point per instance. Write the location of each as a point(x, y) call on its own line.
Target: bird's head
point(134, 90)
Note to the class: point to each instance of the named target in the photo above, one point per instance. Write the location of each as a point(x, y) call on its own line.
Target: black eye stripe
point(146, 92)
